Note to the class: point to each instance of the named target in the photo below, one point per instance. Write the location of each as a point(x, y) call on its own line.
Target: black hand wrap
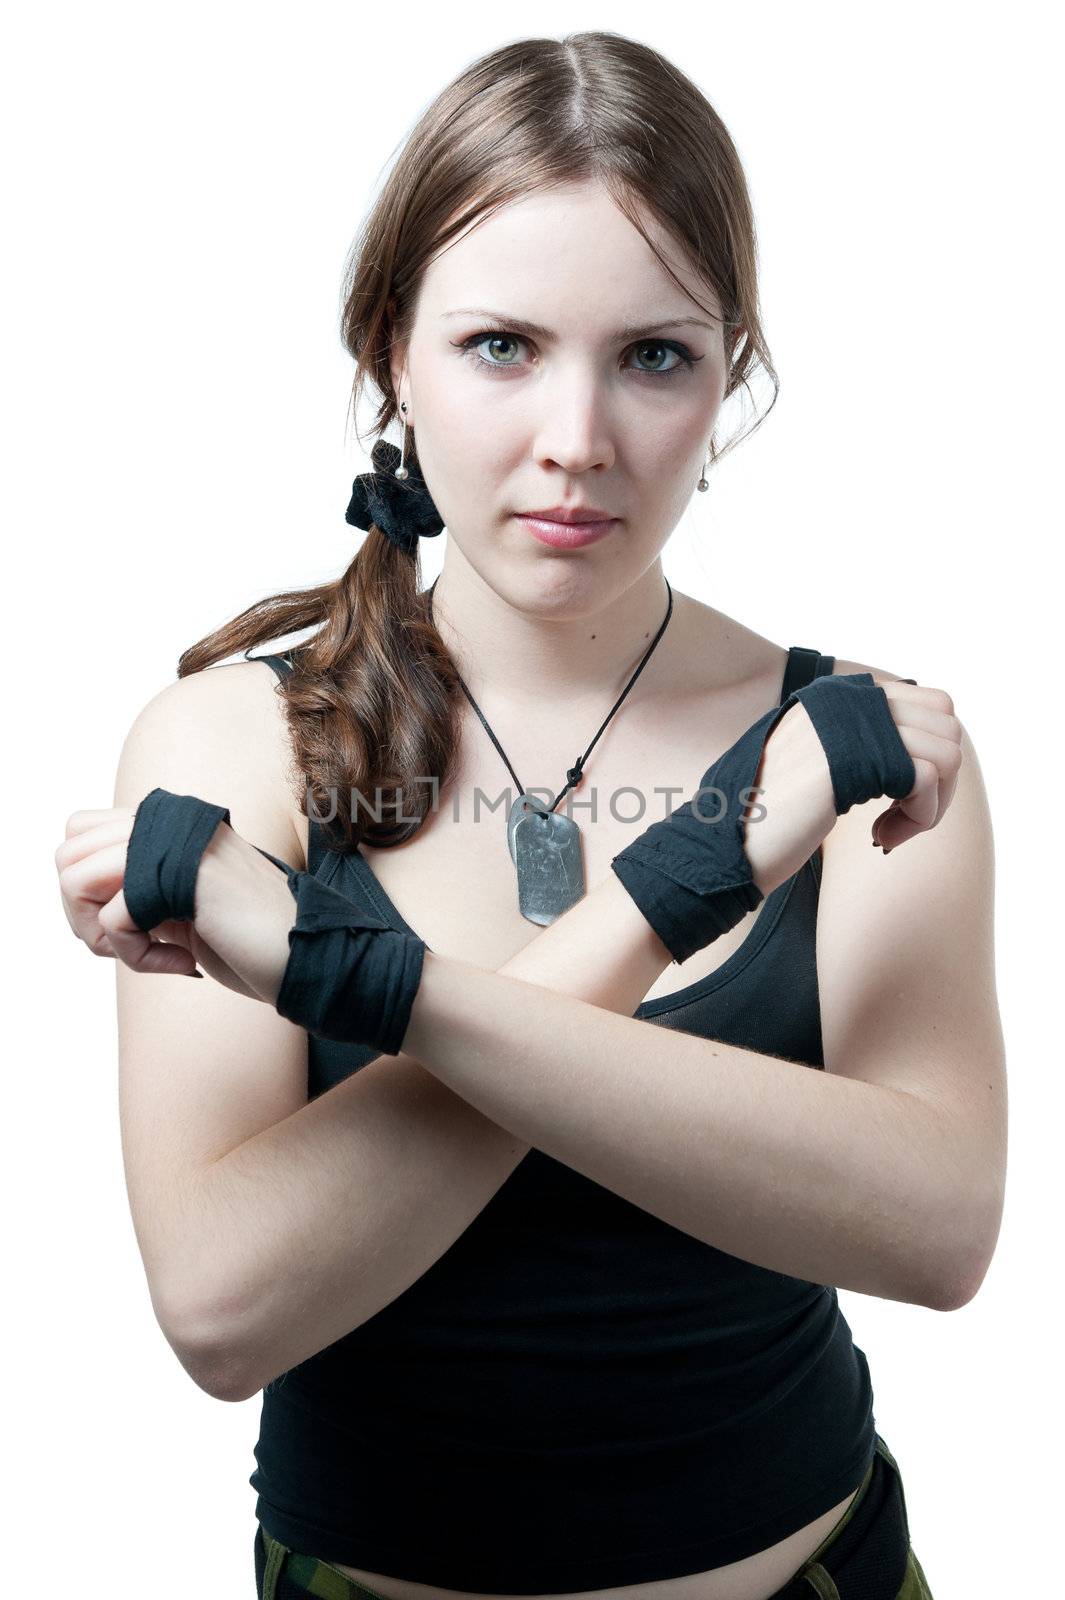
point(349, 976)
point(170, 834)
point(689, 874)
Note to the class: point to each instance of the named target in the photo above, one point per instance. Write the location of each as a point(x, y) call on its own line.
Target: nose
point(574, 427)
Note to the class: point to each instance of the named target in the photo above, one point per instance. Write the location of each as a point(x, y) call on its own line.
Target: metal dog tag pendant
point(546, 850)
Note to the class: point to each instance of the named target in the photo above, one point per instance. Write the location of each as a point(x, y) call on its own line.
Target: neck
point(549, 647)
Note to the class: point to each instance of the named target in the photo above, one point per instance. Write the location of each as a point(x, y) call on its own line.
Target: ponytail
point(373, 702)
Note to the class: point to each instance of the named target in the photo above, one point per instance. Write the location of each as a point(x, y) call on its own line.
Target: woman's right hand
point(91, 863)
point(276, 934)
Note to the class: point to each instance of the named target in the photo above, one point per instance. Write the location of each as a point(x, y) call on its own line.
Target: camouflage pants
point(866, 1556)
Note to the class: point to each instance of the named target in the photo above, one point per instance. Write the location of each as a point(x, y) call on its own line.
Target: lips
point(571, 516)
point(565, 535)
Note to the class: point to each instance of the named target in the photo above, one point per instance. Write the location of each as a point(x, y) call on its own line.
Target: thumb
point(915, 814)
point(137, 949)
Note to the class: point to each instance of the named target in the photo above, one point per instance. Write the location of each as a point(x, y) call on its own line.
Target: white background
point(181, 187)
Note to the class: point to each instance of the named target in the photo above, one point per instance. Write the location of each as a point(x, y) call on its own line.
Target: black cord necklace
point(544, 846)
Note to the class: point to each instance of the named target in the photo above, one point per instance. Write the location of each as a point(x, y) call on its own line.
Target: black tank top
point(578, 1395)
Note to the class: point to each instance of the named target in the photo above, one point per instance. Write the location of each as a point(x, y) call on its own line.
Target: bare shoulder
point(730, 655)
point(222, 734)
point(721, 654)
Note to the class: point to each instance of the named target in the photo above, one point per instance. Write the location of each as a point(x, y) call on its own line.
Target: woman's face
point(553, 361)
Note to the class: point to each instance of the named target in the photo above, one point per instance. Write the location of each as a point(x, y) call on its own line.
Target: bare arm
point(322, 1219)
point(414, 1161)
point(884, 1174)
point(270, 1227)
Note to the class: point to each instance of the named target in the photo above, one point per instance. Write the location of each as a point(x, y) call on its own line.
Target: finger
point(137, 949)
point(79, 847)
point(927, 714)
point(86, 886)
point(907, 693)
point(927, 717)
point(944, 751)
point(100, 944)
point(89, 836)
point(931, 733)
point(98, 941)
point(933, 711)
point(112, 829)
point(80, 821)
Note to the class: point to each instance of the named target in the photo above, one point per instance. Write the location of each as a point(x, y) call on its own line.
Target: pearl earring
point(702, 485)
point(401, 471)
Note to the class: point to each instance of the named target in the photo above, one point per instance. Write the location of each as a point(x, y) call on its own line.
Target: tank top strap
point(279, 663)
point(316, 841)
point(804, 665)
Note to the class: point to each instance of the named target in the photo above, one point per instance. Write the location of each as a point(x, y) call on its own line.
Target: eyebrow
point(533, 329)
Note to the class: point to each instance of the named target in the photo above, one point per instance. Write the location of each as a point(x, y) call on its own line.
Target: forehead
point(566, 256)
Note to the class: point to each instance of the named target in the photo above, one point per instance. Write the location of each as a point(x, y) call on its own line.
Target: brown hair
point(374, 703)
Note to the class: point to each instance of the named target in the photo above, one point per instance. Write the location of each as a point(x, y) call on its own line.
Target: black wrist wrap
point(170, 834)
point(349, 976)
point(689, 874)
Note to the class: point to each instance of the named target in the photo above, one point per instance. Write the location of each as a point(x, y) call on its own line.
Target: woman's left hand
point(796, 810)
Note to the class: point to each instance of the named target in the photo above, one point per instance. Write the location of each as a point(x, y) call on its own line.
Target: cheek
point(453, 445)
point(671, 459)
point(466, 474)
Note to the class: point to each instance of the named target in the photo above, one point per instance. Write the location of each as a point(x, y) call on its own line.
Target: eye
point(489, 336)
point(493, 337)
point(684, 356)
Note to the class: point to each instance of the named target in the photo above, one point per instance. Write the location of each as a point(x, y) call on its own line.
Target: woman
point(545, 1302)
